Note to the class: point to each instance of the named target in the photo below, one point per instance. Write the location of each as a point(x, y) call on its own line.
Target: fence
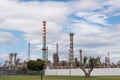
point(67, 72)
point(12, 72)
point(17, 72)
point(79, 72)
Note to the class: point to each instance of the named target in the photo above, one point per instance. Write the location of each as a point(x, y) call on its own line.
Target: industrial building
point(14, 64)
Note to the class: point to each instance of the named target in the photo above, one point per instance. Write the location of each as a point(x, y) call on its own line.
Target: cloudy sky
point(95, 24)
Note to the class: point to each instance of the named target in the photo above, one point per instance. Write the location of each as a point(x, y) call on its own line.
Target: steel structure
point(71, 56)
point(28, 51)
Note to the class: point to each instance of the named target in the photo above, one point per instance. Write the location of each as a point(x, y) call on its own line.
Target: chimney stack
point(44, 41)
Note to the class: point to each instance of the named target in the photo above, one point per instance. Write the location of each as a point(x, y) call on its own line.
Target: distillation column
point(10, 60)
point(71, 57)
point(15, 60)
point(80, 55)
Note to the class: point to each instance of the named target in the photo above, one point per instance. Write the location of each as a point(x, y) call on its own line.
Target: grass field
point(59, 78)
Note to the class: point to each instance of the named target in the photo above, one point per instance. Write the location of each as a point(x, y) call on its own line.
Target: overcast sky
point(95, 24)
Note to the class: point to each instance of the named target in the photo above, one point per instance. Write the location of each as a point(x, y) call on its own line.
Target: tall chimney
point(44, 41)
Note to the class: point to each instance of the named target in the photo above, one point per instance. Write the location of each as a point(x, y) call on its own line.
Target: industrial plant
point(14, 63)
point(57, 64)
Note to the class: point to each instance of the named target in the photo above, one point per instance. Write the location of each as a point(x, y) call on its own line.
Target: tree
point(36, 65)
point(31, 65)
point(41, 64)
point(87, 65)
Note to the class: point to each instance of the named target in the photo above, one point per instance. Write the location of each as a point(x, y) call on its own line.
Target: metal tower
point(28, 51)
point(57, 48)
point(71, 57)
point(44, 41)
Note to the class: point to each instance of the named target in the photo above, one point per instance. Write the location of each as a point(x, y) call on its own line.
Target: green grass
point(59, 78)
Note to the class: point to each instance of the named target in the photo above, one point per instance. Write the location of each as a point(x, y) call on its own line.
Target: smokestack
point(44, 41)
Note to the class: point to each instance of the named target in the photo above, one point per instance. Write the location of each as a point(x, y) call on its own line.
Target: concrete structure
point(79, 72)
point(71, 54)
